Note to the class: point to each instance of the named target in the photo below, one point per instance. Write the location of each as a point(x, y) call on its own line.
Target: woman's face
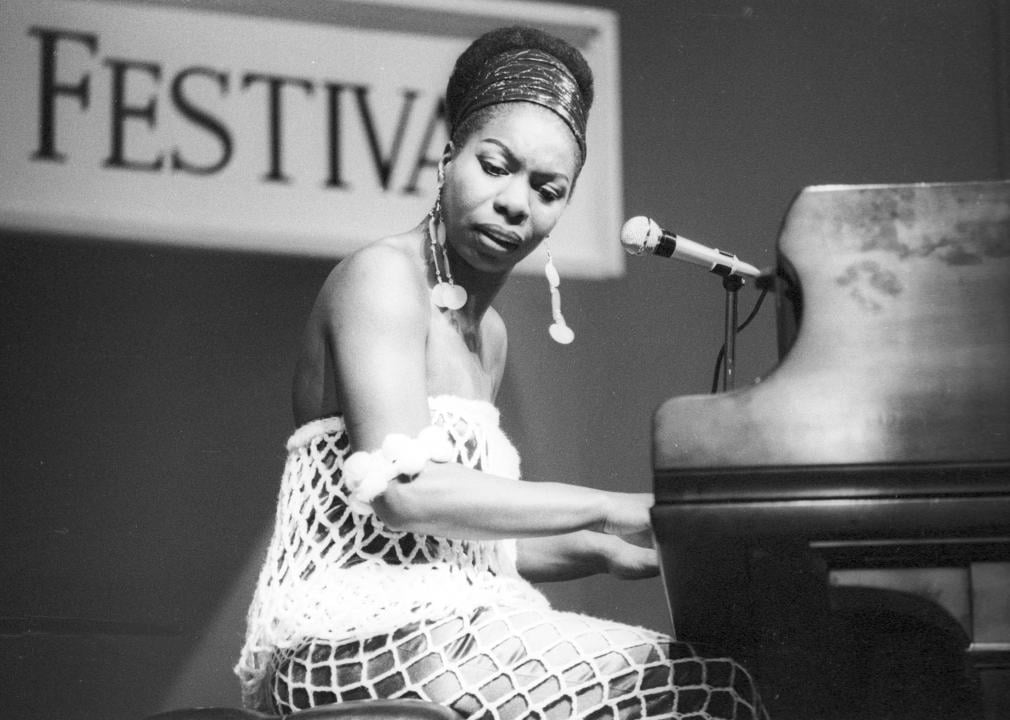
point(507, 186)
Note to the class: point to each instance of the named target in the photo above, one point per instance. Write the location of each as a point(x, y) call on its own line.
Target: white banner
point(273, 125)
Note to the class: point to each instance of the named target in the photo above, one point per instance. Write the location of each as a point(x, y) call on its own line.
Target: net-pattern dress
point(348, 609)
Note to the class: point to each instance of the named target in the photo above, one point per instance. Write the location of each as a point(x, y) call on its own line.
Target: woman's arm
point(578, 554)
point(376, 312)
point(451, 500)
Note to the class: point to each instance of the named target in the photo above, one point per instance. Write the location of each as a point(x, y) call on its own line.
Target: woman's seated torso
point(326, 549)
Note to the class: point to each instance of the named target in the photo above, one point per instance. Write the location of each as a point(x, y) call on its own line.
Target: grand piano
point(862, 488)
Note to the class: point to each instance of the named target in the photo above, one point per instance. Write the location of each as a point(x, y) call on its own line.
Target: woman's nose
point(513, 201)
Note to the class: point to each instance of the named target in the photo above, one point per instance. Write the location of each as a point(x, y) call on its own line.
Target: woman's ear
point(447, 154)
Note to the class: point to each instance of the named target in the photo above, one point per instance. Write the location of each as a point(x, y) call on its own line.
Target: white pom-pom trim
point(436, 440)
point(368, 474)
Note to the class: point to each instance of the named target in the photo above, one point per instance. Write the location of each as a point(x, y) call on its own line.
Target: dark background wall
point(145, 389)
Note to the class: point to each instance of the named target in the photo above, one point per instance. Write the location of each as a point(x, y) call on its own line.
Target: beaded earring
point(444, 294)
point(559, 330)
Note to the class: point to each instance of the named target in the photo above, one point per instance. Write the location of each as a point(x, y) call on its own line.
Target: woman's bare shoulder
point(385, 276)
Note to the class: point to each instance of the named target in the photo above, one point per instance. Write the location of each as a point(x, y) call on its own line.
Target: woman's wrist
point(622, 513)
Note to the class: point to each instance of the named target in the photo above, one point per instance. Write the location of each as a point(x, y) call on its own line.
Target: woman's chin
point(490, 257)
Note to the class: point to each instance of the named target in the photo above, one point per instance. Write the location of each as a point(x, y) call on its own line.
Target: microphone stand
point(732, 284)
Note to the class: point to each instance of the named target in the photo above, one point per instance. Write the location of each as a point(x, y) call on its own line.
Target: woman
point(403, 533)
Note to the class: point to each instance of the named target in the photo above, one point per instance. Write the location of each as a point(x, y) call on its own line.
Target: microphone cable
point(720, 358)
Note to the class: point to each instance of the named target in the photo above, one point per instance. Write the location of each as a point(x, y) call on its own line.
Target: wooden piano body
point(870, 470)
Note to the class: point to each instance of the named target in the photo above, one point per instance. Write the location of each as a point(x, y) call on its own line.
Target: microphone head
point(640, 234)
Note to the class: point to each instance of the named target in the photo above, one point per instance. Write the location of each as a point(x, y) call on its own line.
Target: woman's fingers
point(632, 562)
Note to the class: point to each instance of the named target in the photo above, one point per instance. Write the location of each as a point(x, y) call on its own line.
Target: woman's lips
point(500, 237)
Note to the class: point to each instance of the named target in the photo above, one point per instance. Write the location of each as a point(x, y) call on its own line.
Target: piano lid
point(894, 322)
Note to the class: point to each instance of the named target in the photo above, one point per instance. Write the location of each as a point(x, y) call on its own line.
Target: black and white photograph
point(505, 359)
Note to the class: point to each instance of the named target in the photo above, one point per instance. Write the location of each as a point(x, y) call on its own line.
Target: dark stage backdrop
point(145, 390)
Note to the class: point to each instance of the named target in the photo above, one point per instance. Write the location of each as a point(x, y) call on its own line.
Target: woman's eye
point(492, 169)
point(549, 194)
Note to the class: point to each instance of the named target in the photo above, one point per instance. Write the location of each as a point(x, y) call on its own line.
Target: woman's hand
point(627, 513)
point(583, 553)
point(631, 560)
point(621, 545)
point(630, 554)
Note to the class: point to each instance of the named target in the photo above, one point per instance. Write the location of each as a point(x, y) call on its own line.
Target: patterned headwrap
point(527, 75)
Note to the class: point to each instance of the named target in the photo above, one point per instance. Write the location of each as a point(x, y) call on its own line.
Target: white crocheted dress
point(346, 608)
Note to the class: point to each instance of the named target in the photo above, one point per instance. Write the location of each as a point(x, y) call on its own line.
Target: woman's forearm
point(451, 500)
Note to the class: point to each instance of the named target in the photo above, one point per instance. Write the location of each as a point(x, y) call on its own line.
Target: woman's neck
point(481, 287)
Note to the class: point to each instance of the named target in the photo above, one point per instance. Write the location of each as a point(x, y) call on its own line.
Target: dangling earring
point(559, 330)
point(444, 294)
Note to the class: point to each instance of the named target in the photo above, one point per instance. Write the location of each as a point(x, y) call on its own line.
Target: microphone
point(641, 234)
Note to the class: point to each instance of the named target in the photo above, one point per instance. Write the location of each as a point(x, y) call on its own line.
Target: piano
point(866, 478)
